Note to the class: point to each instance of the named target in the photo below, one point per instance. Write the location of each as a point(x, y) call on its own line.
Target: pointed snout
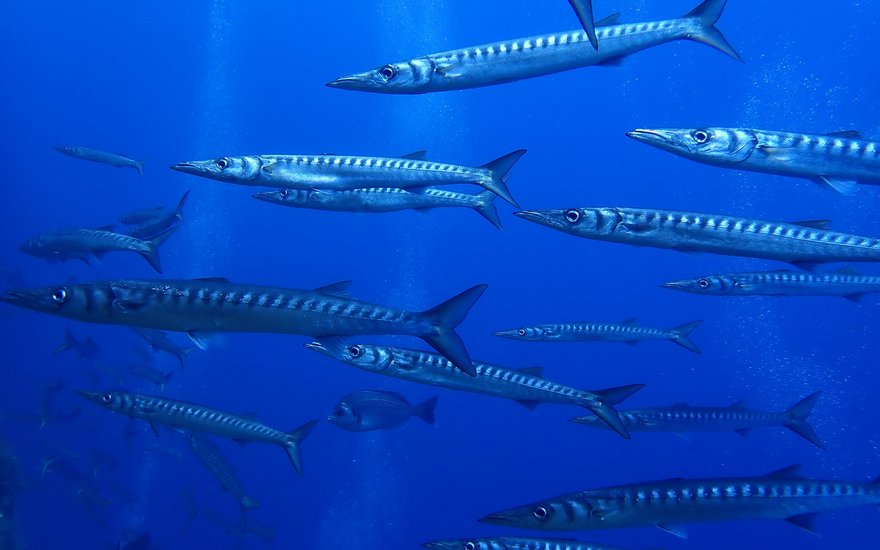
point(315, 346)
point(93, 396)
point(186, 167)
point(678, 285)
point(21, 298)
point(506, 333)
point(500, 518)
point(652, 137)
point(351, 82)
point(269, 196)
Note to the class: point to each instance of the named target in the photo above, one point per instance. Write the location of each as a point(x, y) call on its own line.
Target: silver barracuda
point(628, 332)
point(521, 58)
point(664, 503)
point(88, 244)
point(218, 465)
point(159, 341)
point(804, 244)
point(340, 172)
point(384, 199)
point(180, 414)
point(161, 222)
point(846, 283)
point(525, 386)
point(103, 157)
point(201, 307)
point(838, 160)
point(515, 543)
point(686, 418)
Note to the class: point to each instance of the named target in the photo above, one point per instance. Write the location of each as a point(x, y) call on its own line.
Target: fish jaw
point(666, 139)
point(37, 299)
point(204, 168)
point(444, 545)
point(93, 396)
point(550, 218)
point(361, 82)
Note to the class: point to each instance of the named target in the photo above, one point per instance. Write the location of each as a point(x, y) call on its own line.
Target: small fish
point(628, 332)
point(189, 416)
point(515, 543)
point(368, 410)
point(103, 157)
point(151, 374)
point(217, 464)
point(86, 348)
point(159, 341)
point(157, 225)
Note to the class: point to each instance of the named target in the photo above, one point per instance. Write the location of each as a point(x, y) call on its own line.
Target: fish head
point(527, 333)
point(363, 356)
point(113, 400)
point(232, 169)
point(35, 246)
point(344, 416)
point(406, 77)
point(58, 300)
point(721, 146)
point(556, 514)
point(461, 544)
point(712, 284)
point(593, 221)
point(282, 196)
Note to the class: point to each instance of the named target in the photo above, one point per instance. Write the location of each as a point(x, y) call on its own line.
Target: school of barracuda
point(340, 325)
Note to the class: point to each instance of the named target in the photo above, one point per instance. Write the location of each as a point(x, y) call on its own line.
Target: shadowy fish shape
point(86, 348)
point(103, 157)
point(160, 223)
point(216, 463)
point(159, 341)
point(628, 332)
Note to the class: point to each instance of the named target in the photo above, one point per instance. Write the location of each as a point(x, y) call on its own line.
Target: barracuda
point(95, 155)
point(159, 341)
point(628, 332)
point(839, 160)
point(685, 418)
point(804, 244)
point(515, 543)
point(384, 199)
point(189, 416)
point(526, 386)
point(161, 222)
point(845, 282)
point(213, 460)
point(339, 173)
point(778, 495)
point(518, 59)
point(203, 306)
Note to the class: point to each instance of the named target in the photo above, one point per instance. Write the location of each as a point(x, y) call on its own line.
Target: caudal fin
point(500, 168)
point(485, 206)
point(445, 317)
point(797, 419)
point(68, 342)
point(140, 167)
point(584, 11)
point(248, 503)
point(603, 406)
point(179, 211)
point(183, 353)
point(294, 438)
point(680, 336)
point(707, 14)
point(425, 411)
point(152, 254)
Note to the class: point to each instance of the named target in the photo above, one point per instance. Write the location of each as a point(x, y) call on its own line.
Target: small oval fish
point(368, 410)
point(628, 332)
point(103, 157)
point(515, 543)
point(846, 283)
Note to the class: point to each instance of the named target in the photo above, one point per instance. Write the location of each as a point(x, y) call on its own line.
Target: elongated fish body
point(189, 416)
point(839, 160)
point(85, 348)
point(160, 223)
point(736, 417)
point(370, 410)
point(779, 495)
point(216, 305)
point(103, 157)
point(804, 243)
point(525, 386)
point(383, 199)
point(521, 58)
point(151, 374)
point(159, 341)
point(515, 543)
point(340, 173)
point(83, 244)
point(628, 332)
point(140, 216)
point(216, 463)
point(844, 283)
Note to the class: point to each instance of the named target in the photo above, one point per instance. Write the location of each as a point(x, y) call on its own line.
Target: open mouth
point(649, 136)
point(183, 167)
point(347, 82)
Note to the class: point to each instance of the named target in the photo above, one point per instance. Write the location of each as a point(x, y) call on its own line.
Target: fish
point(88, 244)
point(340, 172)
point(526, 386)
point(686, 418)
point(522, 58)
point(804, 244)
point(86, 348)
point(190, 416)
point(838, 160)
point(151, 374)
point(103, 157)
point(138, 217)
point(584, 11)
point(515, 543)
point(782, 494)
point(213, 460)
point(202, 307)
point(370, 410)
point(384, 199)
point(846, 282)
point(140, 542)
point(627, 331)
point(159, 341)
point(157, 225)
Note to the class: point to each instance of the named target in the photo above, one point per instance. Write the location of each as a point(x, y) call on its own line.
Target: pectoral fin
point(673, 530)
point(842, 186)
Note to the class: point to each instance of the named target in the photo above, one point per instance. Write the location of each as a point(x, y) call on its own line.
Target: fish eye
point(469, 546)
point(107, 398)
point(701, 136)
point(284, 193)
point(704, 283)
point(388, 72)
point(521, 332)
point(60, 296)
point(572, 215)
point(540, 513)
point(354, 351)
point(222, 164)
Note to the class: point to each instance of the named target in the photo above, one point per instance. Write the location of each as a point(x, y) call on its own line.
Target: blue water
point(175, 81)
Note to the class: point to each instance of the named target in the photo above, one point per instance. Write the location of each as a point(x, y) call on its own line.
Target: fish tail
point(247, 502)
point(603, 406)
point(181, 356)
point(445, 318)
point(165, 379)
point(797, 419)
point(680, 336)
point(584, 11)
point(500, 169)
point(486, 207)
point(152, 253)
point(425, 411)
point(68, 342)
point(179, 212)
point(707, 14)
point(294, 438)
point(139, 165)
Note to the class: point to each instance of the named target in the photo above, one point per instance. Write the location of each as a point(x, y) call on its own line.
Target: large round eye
point(540, 513)
point(704, 283)
point(284, 193)
point(470, 546)
point(222, 164)
point(106, 398)
point(60, 296)
point(388, 72)
point(521, 332)
point(354, 351)
point(700, 136)
point(572, 215)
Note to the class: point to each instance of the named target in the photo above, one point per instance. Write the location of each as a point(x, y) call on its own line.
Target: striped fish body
point(75, 243)
point(588, 332)
point(685, 418)
point(217, 464)
point(516, 543)
point(102, 157)
point(782, 283)
point(780, 495)
point(804, 243)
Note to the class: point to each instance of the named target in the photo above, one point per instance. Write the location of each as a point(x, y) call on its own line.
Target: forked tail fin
point(584, 11)
point(152, 254)
point(294, 438)
point(797, 419)
point(603, 406)
point(707, 14)
point(485, 206)
point(445, 317)
point(680, 335)
point(425, 411)
point(180, 204)
point(68, 343)
point(500, 168)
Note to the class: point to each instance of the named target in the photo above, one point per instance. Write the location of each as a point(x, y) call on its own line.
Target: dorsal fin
point(607, 21)
point(415, 155)
point(213, 279)
point(789, 472)
point(630, 321)
point(738, 405)
point(532, 371)
point(851, 134)
point(109, 227)
point(340, 289)
point(812, 224)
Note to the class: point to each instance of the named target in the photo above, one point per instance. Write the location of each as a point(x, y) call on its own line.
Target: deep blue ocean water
point(175, 81)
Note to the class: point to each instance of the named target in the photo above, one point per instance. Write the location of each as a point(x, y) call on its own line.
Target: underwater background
point(173, 81)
